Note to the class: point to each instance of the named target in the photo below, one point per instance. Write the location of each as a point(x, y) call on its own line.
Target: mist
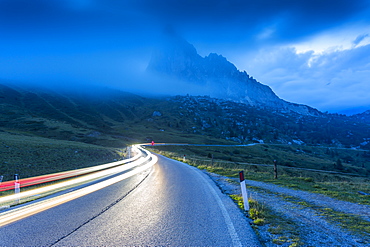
point(109, 43)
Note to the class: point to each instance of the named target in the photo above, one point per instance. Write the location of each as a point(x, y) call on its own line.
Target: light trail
point(47, 190)
point(9, 185)
point(25, 211)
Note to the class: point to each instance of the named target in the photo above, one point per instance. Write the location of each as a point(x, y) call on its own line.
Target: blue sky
point(314, 52)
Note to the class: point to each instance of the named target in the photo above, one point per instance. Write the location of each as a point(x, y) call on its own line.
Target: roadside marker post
point(184, 159)
point(129, 152)
point(17, 187)
point(244, 191)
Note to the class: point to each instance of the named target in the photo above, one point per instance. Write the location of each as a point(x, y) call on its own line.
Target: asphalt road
point(173, 204)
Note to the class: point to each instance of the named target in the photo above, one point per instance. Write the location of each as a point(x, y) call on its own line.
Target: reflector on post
point(17, 187)
point(241, 176)
point(244, 191)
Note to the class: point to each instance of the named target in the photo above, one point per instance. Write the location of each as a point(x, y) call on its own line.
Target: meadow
point(307, 168)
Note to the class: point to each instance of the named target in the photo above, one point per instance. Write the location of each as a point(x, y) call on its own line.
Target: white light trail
point(25, 211)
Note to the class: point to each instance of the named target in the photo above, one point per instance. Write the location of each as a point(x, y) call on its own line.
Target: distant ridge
point(110, 117)
point(220, 78)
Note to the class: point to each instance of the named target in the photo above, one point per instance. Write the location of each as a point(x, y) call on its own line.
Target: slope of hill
point(114, 118)
point(111, 118)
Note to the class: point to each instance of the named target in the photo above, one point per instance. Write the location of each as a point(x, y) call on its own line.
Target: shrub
point(259, 222)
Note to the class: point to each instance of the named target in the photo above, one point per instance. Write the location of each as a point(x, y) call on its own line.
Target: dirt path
point(305, 209)
point(317, 199)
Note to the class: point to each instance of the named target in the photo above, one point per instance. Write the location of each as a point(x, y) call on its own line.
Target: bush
point(259, 222)
point(254, 213)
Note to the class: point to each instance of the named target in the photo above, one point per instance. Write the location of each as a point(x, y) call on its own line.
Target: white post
point(129, 152)
point(184, 159)
point(17, 187)
point(244, 191)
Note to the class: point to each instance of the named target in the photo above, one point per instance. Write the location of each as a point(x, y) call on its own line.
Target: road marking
point(229, 224)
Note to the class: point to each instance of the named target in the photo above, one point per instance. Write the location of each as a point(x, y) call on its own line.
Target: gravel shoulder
point(305, 209)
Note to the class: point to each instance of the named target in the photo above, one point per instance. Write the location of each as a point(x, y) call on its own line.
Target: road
point(172, 204)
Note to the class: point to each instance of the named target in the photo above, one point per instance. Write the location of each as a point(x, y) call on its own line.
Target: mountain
point(362, 117)
point(218, 77)
point(108, 117)
point(89, 115)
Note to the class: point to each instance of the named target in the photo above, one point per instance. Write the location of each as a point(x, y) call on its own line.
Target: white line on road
point(229, 224)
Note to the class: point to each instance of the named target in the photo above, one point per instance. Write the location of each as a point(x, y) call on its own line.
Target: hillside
point(111, 118)
point(114, 118)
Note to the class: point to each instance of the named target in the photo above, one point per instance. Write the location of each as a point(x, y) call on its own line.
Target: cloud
point(104, 41)
point(359, 39)
point(216, 20)
point(330, 81)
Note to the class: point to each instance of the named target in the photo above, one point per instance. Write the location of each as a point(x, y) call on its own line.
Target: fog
point(106, 42)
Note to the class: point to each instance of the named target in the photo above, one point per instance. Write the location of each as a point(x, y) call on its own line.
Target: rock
point(94, 134)
point(156, 114)
point(218, 77)
point(363, 193)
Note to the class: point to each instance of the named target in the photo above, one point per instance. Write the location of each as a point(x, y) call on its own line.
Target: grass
point(349, 222)
point(340, 186)
point(281, 229)
point(311, 157)
point(31, 156)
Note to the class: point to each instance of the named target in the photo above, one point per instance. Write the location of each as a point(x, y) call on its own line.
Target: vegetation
point(283, 230)
point(343, 186)
point(112, 118)
point(32, 156)
point(43, 131)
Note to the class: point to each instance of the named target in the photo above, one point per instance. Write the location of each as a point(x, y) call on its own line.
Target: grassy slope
point(31, 156)
point(116, 119)
point(286, 155)
point(341, 186)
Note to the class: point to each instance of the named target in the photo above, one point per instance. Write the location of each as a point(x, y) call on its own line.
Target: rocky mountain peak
point(174, 56)
point(220, 78)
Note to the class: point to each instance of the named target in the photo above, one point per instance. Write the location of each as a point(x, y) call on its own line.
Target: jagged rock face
point(176, 57)
point(220, 78)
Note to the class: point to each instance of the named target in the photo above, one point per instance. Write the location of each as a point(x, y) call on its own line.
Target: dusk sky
point(314, 52)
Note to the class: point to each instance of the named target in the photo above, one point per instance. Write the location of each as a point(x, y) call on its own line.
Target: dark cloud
point(359, 38)
point(237, 20)
point(232, 20)
point(110, 41)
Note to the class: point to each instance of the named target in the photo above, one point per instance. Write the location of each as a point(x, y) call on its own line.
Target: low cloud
point(330, 81)
point(110, 42)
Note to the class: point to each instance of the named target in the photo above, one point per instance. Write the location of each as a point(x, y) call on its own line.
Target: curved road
point(173, 204)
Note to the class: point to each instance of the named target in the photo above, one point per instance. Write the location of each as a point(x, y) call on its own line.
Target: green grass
point(349, 222)
point(286, 155)
point(33, 156)
point(340, 186)
point(281, 229)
